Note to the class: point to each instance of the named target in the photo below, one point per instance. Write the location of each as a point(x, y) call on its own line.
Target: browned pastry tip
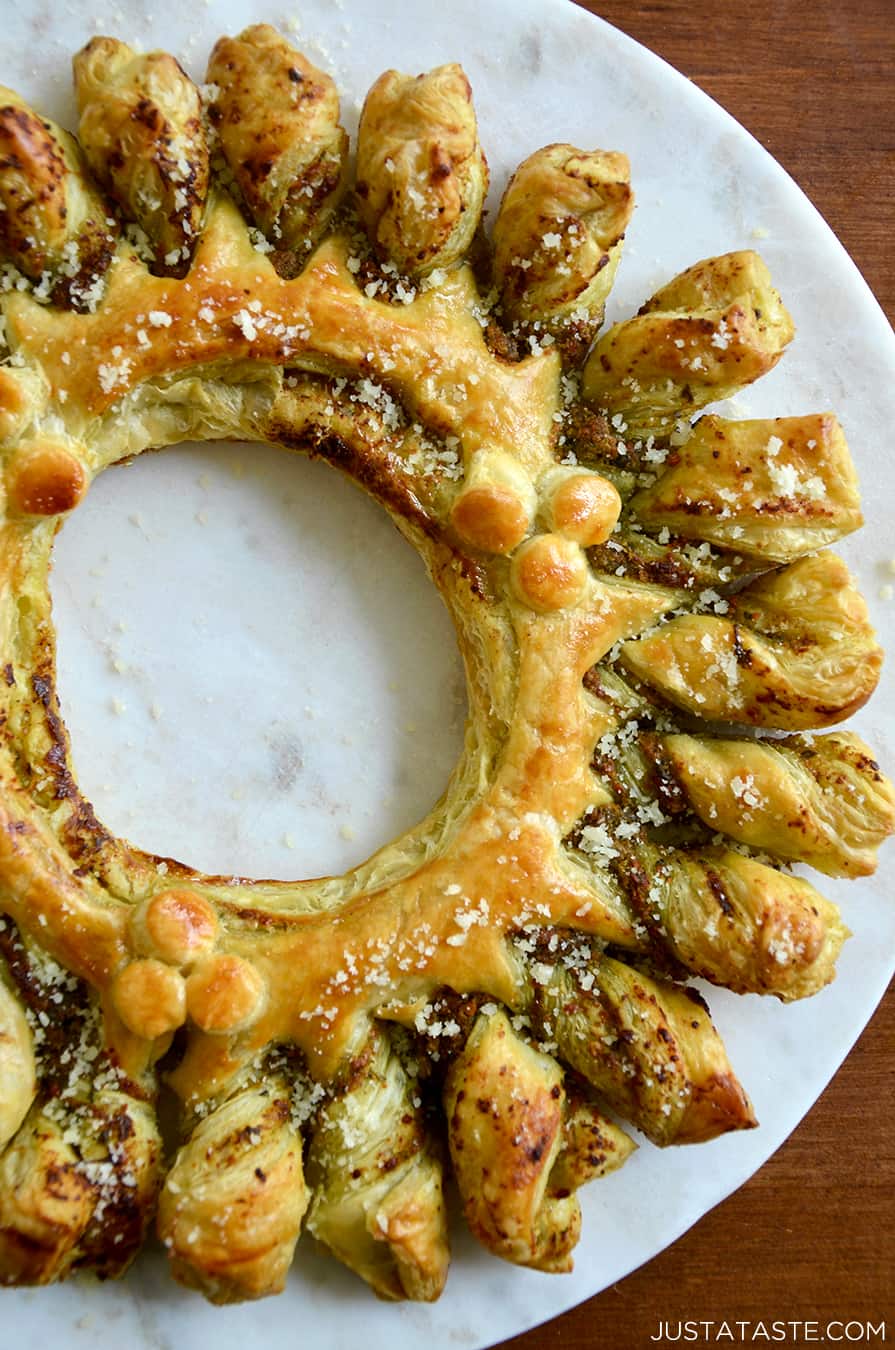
point(54, 225)
point(141, 129)
point(504, 1103)
point(277, 118)
point(558, 235)
point(421, 173)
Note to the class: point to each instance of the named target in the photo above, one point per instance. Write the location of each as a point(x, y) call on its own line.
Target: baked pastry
point(498, 988)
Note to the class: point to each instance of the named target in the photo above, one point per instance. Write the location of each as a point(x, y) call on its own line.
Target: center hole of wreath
point(256, 672)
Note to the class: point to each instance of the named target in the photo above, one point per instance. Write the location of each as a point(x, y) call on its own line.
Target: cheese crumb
point(243, 321)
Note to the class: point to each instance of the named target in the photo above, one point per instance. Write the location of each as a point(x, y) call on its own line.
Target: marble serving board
point(260, 680)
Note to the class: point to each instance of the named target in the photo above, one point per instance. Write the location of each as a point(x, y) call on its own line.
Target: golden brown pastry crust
point(421, 173)
point(277, 118)
point(558, 235)
point(794, 649)
point(231, 1209)
point(713, 329)
point(822, 800)
point(525, 945)
point(505, 1105)
point(377, 1178)
point(54, 225)
point(771, 488)
point(141, 129)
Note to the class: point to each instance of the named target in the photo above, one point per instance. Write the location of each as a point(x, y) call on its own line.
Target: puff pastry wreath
point(641, 599)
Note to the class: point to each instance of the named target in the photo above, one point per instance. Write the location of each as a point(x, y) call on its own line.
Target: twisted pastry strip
point(714, 328)
point(54, 225)
point(558, 235)
point(793, 650)
point(504, 1103)
point(46, 1204)
point(277, 117)
point(421, 173)
point(772, 489)
point(141, 129)
point(520, 1149)
point(79, 1177)
point(377, 1180)
point(648, 1048)
point(231, 1208)
point(821, 801)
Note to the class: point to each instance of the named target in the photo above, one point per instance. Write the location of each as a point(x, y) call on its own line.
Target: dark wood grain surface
point(810, 1237)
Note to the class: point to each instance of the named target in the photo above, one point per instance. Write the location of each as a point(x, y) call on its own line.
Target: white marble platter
point(182, 574)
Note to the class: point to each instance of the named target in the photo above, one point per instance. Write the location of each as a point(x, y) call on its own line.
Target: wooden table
point(811, 1235)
